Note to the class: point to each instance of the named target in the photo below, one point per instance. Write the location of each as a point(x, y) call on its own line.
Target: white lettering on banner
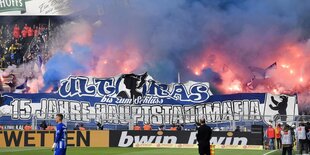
point(156, 114)
point(21, 109)
point(170, 140)
point(240, 141)
point(214, 140)
point(145, 139)
point(127, 140)
point(141, 98)
point(220, 140)
point(152, 92)
point(11, 3)
point(192, 138)
point(85, 111)
point(229, 140)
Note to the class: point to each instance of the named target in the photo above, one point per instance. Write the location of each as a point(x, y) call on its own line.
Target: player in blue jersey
point(60, 143)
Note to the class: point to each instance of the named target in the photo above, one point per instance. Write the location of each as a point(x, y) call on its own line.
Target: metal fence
point(126, 121)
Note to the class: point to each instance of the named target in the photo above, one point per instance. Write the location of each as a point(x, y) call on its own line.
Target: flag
point(39, 65)
point(22, 88)
point(269, 70)
point(260, 73)
point(39, 61)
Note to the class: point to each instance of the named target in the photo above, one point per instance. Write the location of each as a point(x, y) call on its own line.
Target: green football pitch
point(127, 151)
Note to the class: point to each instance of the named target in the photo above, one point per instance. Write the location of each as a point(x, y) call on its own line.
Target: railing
point(125, 121)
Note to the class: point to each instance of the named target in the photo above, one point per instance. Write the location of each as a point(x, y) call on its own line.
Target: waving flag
point(261, 74)
point(22, 88)
point(269, 70)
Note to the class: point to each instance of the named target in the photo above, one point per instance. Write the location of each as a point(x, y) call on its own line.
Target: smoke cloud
point(203, 40)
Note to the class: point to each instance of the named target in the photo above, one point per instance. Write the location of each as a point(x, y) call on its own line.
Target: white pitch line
point(21, 149)
point(270, 152)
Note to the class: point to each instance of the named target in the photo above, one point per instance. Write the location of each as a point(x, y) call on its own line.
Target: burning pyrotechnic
point(235, 86)
point(216, 42)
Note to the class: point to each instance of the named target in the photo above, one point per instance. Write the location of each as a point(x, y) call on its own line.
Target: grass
point(126, 151)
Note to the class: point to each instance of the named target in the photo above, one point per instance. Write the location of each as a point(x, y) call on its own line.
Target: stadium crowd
point(22, 43)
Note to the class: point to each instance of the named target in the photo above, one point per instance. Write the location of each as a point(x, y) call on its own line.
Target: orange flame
point(291, 76)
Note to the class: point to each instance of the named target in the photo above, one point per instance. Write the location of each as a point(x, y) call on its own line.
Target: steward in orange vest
point(147, 127)
point(137, 128)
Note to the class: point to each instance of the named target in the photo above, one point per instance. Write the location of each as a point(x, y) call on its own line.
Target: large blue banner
point(141, 98)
